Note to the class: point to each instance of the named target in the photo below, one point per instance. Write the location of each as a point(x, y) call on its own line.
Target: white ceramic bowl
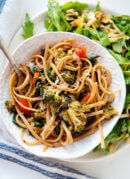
point(30, 47)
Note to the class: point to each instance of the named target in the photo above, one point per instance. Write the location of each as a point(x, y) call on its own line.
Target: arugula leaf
point(74, 5)
point(127, 80)
point(118, 133)
point(54, 12)
point(85, 19)
point(78, 30)
point(126, 72)
point(49, 24)
point(123, 23)
point(118, 57)
point(97, 7)
point(104, 39)
point(117, 47)
point(127, 100)
point(27, 27)
point(90, 33)
point(57, 19)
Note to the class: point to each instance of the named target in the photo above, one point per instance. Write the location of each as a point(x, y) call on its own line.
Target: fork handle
point(8, 55)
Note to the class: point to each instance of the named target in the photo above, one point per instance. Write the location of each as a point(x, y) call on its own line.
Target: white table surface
point(113, 167)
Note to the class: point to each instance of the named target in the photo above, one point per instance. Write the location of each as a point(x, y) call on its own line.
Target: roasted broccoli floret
point(75, 117)
point(109, 111)
point(78, 119)
point(85, 107)
point(68, 76)
point(75, 105)
point(10, 107)
point(49, 94)
point(39, 115)
point(52, 97)
point(60, 53)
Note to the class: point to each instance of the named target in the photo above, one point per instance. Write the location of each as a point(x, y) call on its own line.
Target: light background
point(113, 167)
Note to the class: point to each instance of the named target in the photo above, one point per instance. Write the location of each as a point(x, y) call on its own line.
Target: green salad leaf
point(123, 23)
point(104, 39)
point(120, 132)
point(27, 27)
point(74, 5)
point(97, 7)
point(57, 21)
point(127, 55)
point(90, 33)
point(118, 57)
point(117, 47)
point(127, 80)
point(78, 30)
point(54, 12)
point(127, 101)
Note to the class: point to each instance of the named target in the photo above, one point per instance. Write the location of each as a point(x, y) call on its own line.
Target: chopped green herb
point(51, 76)
point(94, 57)
point(34, 69)
point(14, 119)
point(57, 129)
point(42, 51)
point(38, 124)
